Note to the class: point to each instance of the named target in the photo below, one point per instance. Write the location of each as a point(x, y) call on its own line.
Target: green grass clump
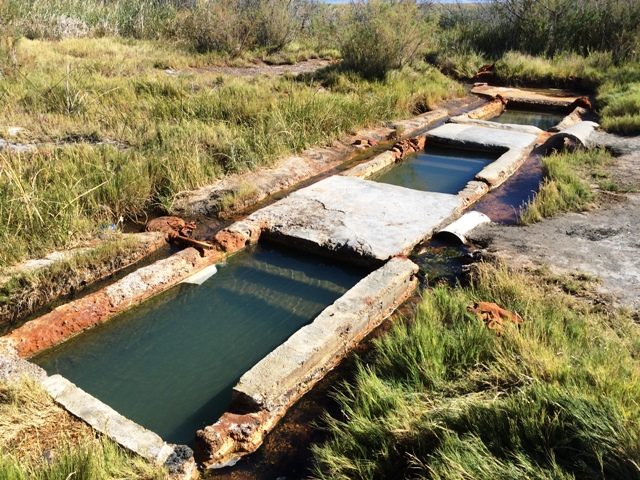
point(521, 69)
point(160, 133)
point(567, 184)
point(621, 112)
point(443, 397)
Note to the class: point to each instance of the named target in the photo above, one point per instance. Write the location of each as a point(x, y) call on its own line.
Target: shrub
point(232, 26)
point(549, 27)
point(381, 35)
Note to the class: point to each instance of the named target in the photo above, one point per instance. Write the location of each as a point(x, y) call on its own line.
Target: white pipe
point(464, 225)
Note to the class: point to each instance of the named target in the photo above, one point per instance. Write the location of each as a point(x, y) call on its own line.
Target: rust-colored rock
point(177, 231)
point(237, 236)
point(408, 146)
point(494, 316)
point(582, 102)
point(229, 241)
point(172, 227)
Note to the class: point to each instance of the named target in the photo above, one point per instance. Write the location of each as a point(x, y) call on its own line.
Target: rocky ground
point(603, 242)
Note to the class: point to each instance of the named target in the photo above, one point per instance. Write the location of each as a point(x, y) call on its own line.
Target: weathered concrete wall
point(486, 111)
point(373, 166)
point(356, 220)
point(398, 152)
point(283, 376)
point(252, 187)
point(106, 420)
point(472, 192)
point(73, 318)
point(102, 418)
point(559, 99)
point(31, 298)
point(499, 126)
point(176, 458)
point(570, 120)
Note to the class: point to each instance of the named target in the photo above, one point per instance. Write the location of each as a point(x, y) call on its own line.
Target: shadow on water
point(436, 169)
point(504, 204)
point(544, 120)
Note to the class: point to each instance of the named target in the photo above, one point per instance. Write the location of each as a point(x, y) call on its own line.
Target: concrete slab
point(356, 219)
point(516, 145)
point(476, 136)
point(500, 126)
point(549, 97)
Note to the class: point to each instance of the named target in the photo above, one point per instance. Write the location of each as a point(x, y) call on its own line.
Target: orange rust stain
point(61, 324)
point(230, 242)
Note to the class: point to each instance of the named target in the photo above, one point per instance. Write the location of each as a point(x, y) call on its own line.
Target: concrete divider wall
point(79, 315)
point(282, 377)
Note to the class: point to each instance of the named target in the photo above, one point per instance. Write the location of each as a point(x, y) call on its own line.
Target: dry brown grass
point(32, 426)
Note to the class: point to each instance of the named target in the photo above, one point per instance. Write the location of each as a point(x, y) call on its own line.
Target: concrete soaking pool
point(170, 363)
point(542, 120)
point(442, 170)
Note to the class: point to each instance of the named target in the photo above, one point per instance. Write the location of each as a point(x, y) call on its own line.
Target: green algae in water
point(170, 364)
point(542, 120)
point(441, 170)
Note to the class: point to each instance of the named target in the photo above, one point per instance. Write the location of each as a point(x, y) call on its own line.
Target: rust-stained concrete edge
point(28, 301)
point(287, 373)
point(560, 100)
point(251, 188)
point(570, 120)
point(498, 126)
point(106, 420)
point(496, 173)
point(79, 315)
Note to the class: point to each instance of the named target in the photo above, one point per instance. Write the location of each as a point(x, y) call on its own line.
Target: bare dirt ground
point(603, 242)
point(307, 66)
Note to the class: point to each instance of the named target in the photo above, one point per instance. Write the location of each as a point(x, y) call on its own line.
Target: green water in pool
point(170, 363)
point(442, 170)
point(542, 120)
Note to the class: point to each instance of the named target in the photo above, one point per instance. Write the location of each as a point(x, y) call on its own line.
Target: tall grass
point(444, 397)
point(55, 19)
point(621, 112)
point(171, 132)
point(567, 184)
